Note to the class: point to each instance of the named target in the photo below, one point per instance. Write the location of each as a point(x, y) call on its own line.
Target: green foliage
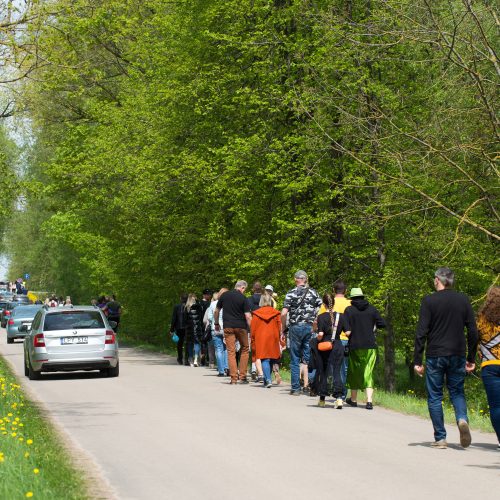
point(189, 144)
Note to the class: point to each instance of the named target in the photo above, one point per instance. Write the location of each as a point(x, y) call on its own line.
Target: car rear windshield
point(26, 311)
point(73, 320)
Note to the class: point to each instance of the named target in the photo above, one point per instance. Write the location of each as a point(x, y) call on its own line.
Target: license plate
point(74, 340)
point(27, 324)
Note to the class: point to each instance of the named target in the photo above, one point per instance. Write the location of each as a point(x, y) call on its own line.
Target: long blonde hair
point(191, 301)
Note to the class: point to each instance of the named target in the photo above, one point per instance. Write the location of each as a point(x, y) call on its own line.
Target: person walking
point(254, 301)
point(329, 352)
point(488, 325)
point(217, 336)
point(237, 320)
point(178, 326)
point(193, 320)
point(266, 332)
point(301, 305)
point(443, 317)
point(363, 319)
point(207, 346)
point(114, 310)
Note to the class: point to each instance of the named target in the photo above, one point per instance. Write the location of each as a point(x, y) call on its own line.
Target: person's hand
point(320, 335)
point(470, 367)
point(217, 328)
point(419, 370)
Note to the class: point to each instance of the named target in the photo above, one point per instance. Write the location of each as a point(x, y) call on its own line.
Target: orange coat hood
point(266, 313)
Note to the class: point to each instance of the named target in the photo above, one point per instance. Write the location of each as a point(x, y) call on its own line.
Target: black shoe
point(313, 393)
point(221, 375)
point(350, 402)
point(244, 381)
point(226, 373)
point(369, 406)
point(179, 362)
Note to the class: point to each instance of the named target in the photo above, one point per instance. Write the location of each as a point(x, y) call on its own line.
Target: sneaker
point(179, 362)
point(440, 445)
point(465, 437)
point(191, 365)
point(305, 390)
point(313, 393)
point(254, 375)
point(259, 380)
point(295, 393)
point(195, 363)
point(350, 402)
point(244, 381)
point(321, 403)
point(268, 384)
point(369, 405)
point(220, 375)
point(226, 372)
point(338, 404)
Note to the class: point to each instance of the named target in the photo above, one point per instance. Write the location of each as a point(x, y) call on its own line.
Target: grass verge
point(33, 462)
point(409, 402)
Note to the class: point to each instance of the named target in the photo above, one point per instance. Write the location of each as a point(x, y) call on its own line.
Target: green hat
point(356, 292)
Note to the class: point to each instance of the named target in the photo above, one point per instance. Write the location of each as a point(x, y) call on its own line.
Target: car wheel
point(32, 374)
point(114, 372)
point(10, 340)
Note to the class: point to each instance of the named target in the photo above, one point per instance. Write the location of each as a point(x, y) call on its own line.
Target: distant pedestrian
point(488, 324)
point(207, 346)
point(178, 325)
point(329, 352)
point(67, 302)
point(218, 336)
point(443, 317)
point(237, 320)
point(194, 328)
point(254, 301)
point(266, 333)
point(301, 305)
point(114, 311)
point(363, 320)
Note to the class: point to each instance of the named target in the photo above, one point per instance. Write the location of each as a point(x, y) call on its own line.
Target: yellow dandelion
point(14, 434)
point(29, 441)
point(21, 424)
point(29, 494)
point(36, 471)
point(21, 439)
point(26, 455)
point(9, 414)
point(2, 457)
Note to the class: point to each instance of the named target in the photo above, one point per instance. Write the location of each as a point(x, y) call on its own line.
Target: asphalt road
point(163, 431)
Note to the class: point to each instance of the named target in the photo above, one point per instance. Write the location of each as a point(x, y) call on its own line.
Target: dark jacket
point(178, 322)
point(363, 318)
point(254, 301)
point(194, 322)
point(443, 317)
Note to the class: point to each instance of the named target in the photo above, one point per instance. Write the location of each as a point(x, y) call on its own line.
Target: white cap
point(270, 288)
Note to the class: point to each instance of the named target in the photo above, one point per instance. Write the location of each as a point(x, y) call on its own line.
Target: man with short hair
point(237, 320)
point(178, 325)
point(443, 317)
point(301, 306)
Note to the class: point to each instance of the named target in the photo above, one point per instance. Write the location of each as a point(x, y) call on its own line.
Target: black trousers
point(180, 345)
point(329, 362)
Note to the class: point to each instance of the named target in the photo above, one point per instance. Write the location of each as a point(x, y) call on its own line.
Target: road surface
point(163, 431)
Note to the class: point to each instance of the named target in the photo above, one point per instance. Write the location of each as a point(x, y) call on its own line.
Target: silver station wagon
point(70, 338)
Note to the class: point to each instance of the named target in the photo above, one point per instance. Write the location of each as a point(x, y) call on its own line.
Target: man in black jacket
point(178, 325)
point(443, 317)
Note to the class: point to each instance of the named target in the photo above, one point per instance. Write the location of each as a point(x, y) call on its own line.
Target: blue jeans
point(300, 335)
point(343, 370)
point(266, 369)
point(194, 347)
point(453, 367)
point(491, 380)
point(220, 353)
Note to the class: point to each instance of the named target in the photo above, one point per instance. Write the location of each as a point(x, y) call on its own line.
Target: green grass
point(33, 462)
point(409, 398)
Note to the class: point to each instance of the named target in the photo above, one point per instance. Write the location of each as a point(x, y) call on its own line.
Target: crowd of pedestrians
point(332, 342)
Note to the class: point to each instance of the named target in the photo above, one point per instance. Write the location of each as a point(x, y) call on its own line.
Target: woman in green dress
point(363, 319)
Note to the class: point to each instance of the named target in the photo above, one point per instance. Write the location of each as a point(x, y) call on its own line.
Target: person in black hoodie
point(178, 325)
point(363, 319)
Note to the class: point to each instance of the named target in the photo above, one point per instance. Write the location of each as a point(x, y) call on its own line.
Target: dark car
point(7, 310)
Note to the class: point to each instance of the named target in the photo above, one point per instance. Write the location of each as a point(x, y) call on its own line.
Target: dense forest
point(175, 145)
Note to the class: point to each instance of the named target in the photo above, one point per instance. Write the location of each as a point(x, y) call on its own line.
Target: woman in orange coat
point(266, 331)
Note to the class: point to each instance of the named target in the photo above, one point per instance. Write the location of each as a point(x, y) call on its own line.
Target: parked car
point(6, 312)
point(68, 339)
point(21, 298)
point(20, 315)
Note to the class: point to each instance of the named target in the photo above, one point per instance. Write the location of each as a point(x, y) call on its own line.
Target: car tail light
point(7, 313)
point(39, 341)
point(11, 321)
point(110, 337)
